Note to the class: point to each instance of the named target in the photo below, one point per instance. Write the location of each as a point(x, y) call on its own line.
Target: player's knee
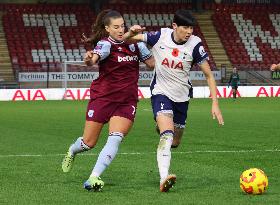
point(89, 142)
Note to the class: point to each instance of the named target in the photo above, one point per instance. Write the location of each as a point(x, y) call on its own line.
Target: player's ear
point(174, 25)
point(107, 28)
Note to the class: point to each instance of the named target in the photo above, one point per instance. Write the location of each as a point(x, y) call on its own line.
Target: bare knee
point(91, 133)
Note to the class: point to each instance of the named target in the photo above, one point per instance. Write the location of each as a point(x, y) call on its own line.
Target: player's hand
point(88, 58)
point(134, 30)
point(84, 38)
point(273, 67)
point(216, 113)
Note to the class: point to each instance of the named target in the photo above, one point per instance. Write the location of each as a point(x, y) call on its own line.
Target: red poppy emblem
point(175, 52)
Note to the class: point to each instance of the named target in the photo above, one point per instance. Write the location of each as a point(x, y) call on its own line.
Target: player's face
point(182, 33)
point(116, 28)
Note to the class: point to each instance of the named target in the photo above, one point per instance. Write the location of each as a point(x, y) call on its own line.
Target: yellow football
point(253, 181)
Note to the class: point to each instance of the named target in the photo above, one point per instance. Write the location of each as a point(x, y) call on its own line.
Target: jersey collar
point(114, 41)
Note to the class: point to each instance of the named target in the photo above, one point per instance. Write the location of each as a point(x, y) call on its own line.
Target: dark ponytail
point(98, 28)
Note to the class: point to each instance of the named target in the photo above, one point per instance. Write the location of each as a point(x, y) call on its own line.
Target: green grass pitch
point(34, 136)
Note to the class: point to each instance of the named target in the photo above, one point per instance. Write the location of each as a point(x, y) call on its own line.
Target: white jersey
point(173, 62)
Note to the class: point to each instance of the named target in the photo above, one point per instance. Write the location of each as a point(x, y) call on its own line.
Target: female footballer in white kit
point(175, 51)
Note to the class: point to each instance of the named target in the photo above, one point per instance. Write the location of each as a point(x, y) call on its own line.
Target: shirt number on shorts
point(133, 107)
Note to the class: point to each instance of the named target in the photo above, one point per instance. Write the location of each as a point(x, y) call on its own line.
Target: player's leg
point(163, 113)
point(166, 127)
point(180, 118)
point(85, 143)
point(178, 133)
point(236, 87)
point(119, 126)
point(93, 126)
point(234, 93)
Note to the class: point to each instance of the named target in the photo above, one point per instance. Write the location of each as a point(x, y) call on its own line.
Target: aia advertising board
point(143, 92)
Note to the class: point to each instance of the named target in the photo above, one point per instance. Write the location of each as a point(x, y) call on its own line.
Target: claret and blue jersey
point(118, 70)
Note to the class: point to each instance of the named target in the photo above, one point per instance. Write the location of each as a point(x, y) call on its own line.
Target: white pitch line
point(144, 153)
point(148, 110)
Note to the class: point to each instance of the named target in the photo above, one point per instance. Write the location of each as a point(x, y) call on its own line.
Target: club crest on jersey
point(132, 47)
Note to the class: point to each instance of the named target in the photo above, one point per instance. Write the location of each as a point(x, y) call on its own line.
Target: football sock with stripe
point(78, 146)
point(164, 153)
point(107, 154)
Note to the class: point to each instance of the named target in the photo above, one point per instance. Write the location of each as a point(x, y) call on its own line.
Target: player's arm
point(275, 67)
point(216, 112)
point(238, 79)
point(230, 79)
point(150, 62)
point(200, 57)
point(91, 58)
point(100, 52)
point(146, 55)
point(134, 34)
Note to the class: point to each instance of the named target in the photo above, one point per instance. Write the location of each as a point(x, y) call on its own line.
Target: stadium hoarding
point(89, 76)
point(275, 75)
point(143, 92)
point(56, 76)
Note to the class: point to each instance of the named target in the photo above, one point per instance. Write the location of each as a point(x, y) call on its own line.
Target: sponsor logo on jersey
point(127, 58)
point(98, 47)
point(172, 64)
point(132, 47)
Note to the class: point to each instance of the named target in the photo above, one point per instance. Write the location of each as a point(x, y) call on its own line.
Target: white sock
point(78, 146)
point(164, 153)
point(107, 154)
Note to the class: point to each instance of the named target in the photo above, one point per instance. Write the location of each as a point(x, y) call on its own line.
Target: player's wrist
point(132, 34)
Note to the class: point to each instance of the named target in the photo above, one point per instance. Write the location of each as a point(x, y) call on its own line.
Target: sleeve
point(102, 49)
point(199, 54)
point(230, 79)
point(145, 53)
point(152, 38)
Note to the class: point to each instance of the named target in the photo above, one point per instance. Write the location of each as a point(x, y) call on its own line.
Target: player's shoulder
point(166, 30)
point(194, 40)
point(104, 42)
